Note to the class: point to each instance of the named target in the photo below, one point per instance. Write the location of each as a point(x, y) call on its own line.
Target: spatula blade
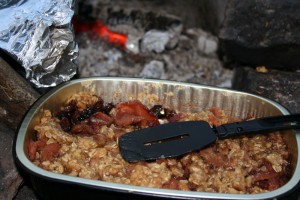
point(166, 140)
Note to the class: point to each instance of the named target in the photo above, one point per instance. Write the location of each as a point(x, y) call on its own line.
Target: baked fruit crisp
point(81, 139)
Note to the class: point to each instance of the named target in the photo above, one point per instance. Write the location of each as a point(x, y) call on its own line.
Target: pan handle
point(261, 125)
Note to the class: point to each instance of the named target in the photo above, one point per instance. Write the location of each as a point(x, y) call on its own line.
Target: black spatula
point(178, 138)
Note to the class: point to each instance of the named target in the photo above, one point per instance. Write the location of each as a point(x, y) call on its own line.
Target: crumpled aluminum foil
point(39, 34)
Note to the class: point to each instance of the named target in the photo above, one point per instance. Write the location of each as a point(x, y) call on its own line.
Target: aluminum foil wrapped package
point(39, 34)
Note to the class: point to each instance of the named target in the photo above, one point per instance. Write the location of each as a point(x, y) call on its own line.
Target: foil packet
point(39, 34)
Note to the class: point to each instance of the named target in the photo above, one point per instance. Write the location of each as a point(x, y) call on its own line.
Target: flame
point(97, 27)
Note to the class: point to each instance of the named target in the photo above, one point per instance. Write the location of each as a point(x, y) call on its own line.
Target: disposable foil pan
point(184, 97)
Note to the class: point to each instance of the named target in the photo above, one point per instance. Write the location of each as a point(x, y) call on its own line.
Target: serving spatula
point(178, 138)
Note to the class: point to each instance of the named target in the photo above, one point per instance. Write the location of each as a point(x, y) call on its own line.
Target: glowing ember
point(97, 27)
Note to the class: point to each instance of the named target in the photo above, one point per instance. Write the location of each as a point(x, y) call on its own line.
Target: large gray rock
point(26, 193)
point(283, 87)
point(10, 180)
point(262, 32)
point(16, 95)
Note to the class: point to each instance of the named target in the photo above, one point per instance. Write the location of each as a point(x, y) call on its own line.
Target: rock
point(283, 87)
point(262, 32)
point(157, 41)
point(211, 15)
point(154, 69)
point(206, 42)
point(206, 45)
point(26, 193)
point(16, 95)
point(10, 180)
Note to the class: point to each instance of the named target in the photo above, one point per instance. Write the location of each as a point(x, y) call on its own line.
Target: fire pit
point(141, 43)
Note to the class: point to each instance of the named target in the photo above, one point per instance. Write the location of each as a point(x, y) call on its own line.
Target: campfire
point(140, 43)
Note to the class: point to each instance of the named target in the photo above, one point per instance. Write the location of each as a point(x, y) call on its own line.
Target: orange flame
point(102, 31)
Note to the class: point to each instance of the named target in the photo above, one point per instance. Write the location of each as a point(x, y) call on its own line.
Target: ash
point(172, 54)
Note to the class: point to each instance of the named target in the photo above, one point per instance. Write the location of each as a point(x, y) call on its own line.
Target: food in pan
point(80, 139)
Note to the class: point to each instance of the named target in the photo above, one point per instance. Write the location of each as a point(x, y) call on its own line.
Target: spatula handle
point(261, 125)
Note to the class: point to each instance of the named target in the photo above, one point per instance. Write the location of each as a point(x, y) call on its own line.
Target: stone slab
point(280, 86)
point(262, 32)
point(10, 180)
point(16, 95)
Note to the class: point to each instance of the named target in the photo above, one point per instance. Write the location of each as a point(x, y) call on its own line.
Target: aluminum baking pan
point(176, 95)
